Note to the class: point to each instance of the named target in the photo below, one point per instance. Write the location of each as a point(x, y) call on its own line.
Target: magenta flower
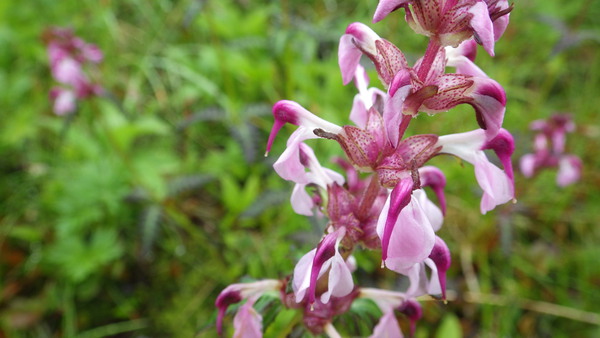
point(549, 147)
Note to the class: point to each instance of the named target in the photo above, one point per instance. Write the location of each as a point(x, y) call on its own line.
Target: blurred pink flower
point(68, 55)
point(549, 150)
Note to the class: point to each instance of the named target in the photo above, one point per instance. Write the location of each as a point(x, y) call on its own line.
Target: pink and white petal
point(358, 114)
point(392, 113)
point(340, 281)
point(496, 185)
point(412, 238)
point(247, 323)
point(358, 39)
point(289, 165)
point(433, 284)
point(399, 198)
point(301, 281)
point(387, 327)
point(64, 101)
point(527, 165)
point(434, 214)
point(462, 63)
point(463, 145)
point(68, 71)
point(569, 170)
point(301, 201)
point(482, 26)
point(348, 57)
point(433, 177)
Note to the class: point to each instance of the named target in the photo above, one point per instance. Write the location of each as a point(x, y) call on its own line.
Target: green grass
point(130, 219)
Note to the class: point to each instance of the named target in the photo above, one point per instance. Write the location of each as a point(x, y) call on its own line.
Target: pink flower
point(569, 170)
point(235, 293)
point(439, 92)
point(497, 185)
point(405, 229)
point(549, 147)
point(247, 323)
point(68, 55)
point(312, 266)
point(360, 39)
point(451, 21)
point(387, 326)
point(64, 100)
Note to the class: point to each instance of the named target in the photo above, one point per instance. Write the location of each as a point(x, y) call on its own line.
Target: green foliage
point(132, 215)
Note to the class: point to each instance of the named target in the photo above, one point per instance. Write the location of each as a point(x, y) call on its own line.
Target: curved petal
point(301, 201)
point(385, 7)
point(412, 238)
point(247, 323)
point(286, 111)
point(387, 326)
point(489, 102)
point(482, 26)
point(301, 281)
point(496, 185)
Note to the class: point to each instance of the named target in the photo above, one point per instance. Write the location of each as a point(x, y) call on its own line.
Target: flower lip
point(440, 255)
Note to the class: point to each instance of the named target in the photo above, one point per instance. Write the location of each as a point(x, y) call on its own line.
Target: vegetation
point(130, 216)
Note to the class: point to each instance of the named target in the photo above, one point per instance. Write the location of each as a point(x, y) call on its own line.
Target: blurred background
point(129, 217)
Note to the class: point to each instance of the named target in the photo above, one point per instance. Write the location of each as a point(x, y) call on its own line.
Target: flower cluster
point(549, 148)
point(387, 207)
point(68, 56)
